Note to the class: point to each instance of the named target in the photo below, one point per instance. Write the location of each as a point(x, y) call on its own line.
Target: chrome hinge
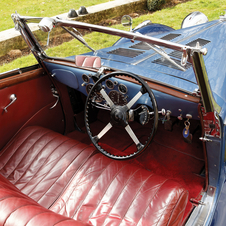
point(204, 139)
point(196, 93)
point(196, 202)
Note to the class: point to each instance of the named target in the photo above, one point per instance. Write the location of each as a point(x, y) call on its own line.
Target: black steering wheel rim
point(145, 89)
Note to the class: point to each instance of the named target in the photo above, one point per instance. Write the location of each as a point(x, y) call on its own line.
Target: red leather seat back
point(40, 163)
point(67, 177)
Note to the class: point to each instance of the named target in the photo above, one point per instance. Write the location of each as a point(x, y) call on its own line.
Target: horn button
point(119, 115)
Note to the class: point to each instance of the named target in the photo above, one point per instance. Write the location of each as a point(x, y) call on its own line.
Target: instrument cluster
point(115, 90)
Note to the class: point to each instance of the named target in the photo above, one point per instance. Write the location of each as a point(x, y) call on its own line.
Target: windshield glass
point(60, 43)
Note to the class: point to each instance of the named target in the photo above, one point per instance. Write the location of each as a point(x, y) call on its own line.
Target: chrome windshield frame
point(192, 54)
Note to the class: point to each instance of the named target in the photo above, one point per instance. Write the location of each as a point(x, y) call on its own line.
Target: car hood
point(139, 58)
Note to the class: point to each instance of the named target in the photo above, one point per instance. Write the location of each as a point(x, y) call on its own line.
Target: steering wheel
point(124, 114)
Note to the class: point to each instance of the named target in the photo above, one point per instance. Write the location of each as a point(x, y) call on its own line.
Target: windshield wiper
point(79, 37)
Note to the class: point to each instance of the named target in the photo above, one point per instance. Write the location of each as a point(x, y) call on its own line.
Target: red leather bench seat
point(68, 183)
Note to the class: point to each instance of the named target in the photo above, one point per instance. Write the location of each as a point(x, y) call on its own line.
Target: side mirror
point(127, 21)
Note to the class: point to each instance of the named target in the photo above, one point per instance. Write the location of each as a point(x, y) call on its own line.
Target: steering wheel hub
point(119, 115)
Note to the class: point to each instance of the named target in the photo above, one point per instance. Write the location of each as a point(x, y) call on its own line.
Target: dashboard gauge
point(144, 115)
point(122, 89)
point(117, 98)
point(85, 78)
point(89, 87)
point(109, 84)
point(98, 97)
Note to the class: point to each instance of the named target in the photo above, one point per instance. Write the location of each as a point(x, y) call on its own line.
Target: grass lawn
point(39, 8)
point(170, 16)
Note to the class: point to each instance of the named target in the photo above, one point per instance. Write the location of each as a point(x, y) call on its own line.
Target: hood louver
point(126, 52)
point(176, 55)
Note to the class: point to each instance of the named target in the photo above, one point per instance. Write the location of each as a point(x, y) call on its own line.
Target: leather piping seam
point(64, 170)
point(178, 202)
point(63, 190)
point(75, 173)
point(47, 212)
point(109, 186)
point(18, 148)
point(12, 141)
point(22, 196)
point(141, 186)
point(152, 199)
point(33, 161)
point(64, 220)
point(26, 205)
point(126, 183)
point(22, 157)
point(41, 150)
point(76, 186)
point(75, 211)
point(162, 208)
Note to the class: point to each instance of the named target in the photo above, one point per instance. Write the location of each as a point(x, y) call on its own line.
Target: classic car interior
point(83, 144)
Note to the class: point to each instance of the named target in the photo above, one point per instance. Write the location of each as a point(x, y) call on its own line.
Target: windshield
point(62, 42)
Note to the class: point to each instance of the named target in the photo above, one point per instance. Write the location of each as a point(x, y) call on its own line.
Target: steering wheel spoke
point(120, 118)
point(132, 134)
point(106, 97)
point(103, 132)
point(134, 100)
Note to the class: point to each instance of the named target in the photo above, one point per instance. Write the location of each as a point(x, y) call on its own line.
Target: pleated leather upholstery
point(41, 163)
point(71, 180)
point(109, 192)
point(17, 209)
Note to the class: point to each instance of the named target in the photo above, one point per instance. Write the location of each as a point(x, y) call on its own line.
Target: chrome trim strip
point(4, 74)
point(199, 68)
point(202, 212)
point(112, 31)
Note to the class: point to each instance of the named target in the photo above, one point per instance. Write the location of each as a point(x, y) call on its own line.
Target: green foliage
point(154, 5)
point(19, 63)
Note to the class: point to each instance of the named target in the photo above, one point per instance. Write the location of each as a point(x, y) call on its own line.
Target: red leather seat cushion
point(18, 209)
point(68, 178)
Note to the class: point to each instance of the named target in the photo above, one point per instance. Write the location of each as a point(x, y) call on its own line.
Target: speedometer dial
point(122, 88)
point(117, 98)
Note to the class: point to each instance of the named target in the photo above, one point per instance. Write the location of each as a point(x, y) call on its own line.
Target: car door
point(28, 97)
